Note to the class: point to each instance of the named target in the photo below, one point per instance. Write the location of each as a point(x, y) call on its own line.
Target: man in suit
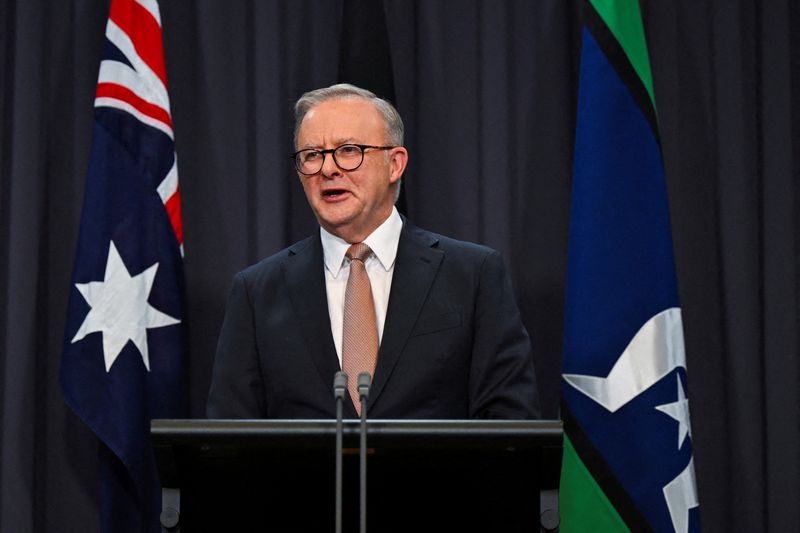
point(442, 336)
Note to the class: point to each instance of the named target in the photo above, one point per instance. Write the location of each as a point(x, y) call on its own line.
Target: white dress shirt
point(380, 268)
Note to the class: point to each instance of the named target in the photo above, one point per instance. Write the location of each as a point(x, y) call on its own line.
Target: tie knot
point(358, 251)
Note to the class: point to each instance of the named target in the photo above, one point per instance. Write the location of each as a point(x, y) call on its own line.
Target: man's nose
point(329, 167)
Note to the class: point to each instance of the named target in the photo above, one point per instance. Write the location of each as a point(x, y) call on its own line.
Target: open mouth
point(333, 194)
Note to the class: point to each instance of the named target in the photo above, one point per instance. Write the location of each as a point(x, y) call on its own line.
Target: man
point(432, 319)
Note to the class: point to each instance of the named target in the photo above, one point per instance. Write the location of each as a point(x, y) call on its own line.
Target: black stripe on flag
point(619, 60)
point(602, 474)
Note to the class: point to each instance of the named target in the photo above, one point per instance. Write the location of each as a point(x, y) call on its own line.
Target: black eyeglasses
point(347, 157)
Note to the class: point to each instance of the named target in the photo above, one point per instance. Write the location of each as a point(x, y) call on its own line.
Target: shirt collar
point(383, 243)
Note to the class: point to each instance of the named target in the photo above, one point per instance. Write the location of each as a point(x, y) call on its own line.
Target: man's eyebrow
point(336, 144)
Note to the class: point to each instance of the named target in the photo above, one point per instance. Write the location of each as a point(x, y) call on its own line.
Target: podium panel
point(279, 476)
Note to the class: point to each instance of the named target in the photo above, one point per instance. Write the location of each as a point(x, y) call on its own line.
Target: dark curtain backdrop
point(487, 90)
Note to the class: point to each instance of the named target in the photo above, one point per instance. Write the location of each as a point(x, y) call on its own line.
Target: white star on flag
point(679, 410)
point(119, 309)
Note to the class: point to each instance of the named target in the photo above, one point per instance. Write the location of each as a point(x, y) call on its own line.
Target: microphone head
point(339, 384)
point(364, 382)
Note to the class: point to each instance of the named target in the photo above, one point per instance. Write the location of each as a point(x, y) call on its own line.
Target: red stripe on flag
point(173, 206)
point(144, 31)
point(120, 92)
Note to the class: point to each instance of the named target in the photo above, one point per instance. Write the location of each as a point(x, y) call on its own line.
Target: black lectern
point(433, 475)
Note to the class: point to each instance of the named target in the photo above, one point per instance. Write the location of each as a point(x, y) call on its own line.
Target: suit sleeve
point(236, 385)
point(502, 380)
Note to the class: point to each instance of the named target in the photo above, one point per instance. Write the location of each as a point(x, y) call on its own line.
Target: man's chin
point(352, 225)
point(336, 225)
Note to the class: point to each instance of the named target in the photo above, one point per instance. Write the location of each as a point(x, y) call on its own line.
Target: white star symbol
point(119, 309)
point(679, 410)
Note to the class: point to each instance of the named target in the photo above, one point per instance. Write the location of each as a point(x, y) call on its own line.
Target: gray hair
point(311, 99)
point(394, 124)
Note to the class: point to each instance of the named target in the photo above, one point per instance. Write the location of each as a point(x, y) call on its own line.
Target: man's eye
point(312, 155)
point(348, 149)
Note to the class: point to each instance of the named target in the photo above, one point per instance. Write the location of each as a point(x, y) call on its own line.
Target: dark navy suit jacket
point(453, 345)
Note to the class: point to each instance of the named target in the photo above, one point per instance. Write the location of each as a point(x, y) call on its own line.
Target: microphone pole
point(339, 390)
point(364, 381)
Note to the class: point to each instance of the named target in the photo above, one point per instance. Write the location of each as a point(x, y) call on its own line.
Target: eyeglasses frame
point(332, 151)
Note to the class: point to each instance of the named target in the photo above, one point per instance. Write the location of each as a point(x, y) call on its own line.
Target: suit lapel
point(415, 269)
point(305, 280)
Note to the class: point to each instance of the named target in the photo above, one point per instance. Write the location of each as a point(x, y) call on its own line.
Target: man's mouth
point(333, 194)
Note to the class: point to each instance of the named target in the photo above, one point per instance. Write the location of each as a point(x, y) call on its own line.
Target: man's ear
point(398, 159)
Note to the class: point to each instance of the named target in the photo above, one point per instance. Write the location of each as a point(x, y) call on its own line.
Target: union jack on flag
point(123, 359)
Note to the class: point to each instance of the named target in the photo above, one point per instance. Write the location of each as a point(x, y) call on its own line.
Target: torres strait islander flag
point(122, 363)
point(627, 462)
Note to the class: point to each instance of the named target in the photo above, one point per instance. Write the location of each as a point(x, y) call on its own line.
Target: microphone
point(364, 382)
point(339, 390)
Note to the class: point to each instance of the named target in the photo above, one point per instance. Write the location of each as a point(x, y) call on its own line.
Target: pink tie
point(359, 331)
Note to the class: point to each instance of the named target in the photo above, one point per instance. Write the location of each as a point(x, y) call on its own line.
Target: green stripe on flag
point(624, 19)
point(582, 504)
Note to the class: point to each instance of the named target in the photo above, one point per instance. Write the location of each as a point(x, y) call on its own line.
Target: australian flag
point(123, 360)
point(628, 445)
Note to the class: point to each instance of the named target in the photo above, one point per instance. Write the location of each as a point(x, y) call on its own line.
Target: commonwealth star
point(119, 309)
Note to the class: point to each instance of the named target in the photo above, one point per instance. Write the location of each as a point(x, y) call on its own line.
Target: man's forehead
point(340, 121)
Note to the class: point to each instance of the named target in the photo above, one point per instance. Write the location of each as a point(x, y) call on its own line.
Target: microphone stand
point(364, 381)
point(339, 390)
